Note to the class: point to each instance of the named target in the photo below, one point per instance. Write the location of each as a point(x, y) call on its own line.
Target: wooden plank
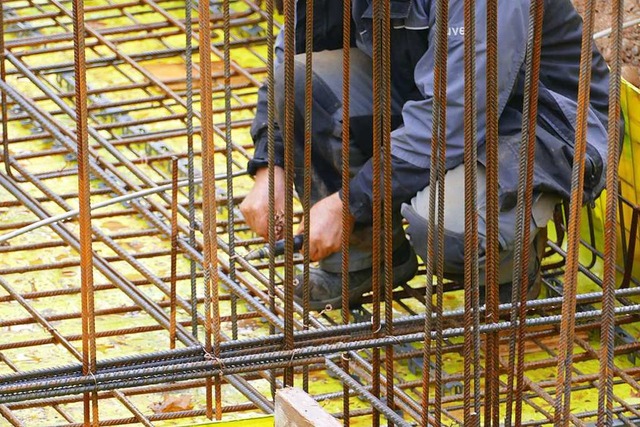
point(295, 408)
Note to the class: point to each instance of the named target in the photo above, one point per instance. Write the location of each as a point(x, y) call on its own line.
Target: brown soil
point(631, 40)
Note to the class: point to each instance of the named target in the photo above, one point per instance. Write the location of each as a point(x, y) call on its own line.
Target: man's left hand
point(325, 224)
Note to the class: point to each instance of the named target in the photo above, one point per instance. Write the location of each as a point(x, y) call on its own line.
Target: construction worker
point(412, 77)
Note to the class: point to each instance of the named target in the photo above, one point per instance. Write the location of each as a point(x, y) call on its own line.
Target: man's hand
point(325, 223)
point(255, 207)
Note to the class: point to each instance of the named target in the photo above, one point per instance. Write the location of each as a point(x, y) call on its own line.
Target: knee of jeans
point(417, 230)
point(280, 97)
point(453, 244)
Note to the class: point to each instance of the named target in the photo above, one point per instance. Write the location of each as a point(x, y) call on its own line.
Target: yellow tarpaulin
point(629, 172)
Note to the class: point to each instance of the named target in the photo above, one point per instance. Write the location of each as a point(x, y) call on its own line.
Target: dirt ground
point(631, 41)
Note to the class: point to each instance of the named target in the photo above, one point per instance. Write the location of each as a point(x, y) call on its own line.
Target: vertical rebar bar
point(437, 188)
point(524, 204)
point(306, 199)
point(346, 214)
point(210, 242)
point(271, 171)
point(84, 218)
point(5, 110)
point(377, 200)
point(6, 154)
point(190, 161)
point(471, 285)
point(174, 251)
point(492, 363)
point(231, 229)
point(605, 384)
point(387, 215)
point(567, 327)
point(289, 147)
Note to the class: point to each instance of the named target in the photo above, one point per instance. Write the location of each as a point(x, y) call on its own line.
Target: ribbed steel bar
point(373, 400)
point(521, 279)
point(306, 196)
point(131, 407)
point(346, 213)
point(174, 253)
point(492, 364)
point(204, 23)
point(607, 351)
point(246, 363)
point(435, 231)
point(231, 232)
point(360, 329)
point(84, 216)
point(188, 6)
point(9, 416)
point(250, 283)
point(103, 266)
point(209, 234)
point(3, 99)
point(376, 276)
point(563, 389)
point(289, 147)
point(387, 213)
point(272, 177)
point(117, 249)
point(471, 240)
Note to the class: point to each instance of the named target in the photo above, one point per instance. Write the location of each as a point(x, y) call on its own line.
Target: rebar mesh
point(138, 99)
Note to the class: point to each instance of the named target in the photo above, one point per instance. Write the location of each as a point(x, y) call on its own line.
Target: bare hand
point(325, 227)
point(255, 206)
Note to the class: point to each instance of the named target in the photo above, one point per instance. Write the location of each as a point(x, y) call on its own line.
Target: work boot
point(326, 287)
point(533, 291)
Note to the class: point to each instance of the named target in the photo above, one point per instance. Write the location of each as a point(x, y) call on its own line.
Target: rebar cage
point(125, 296)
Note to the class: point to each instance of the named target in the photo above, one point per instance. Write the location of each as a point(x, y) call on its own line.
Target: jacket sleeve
point(327, 34)
point(260, 125)
point(411, 142)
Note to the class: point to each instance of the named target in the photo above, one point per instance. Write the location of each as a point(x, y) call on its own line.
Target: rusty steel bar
point(562, 404)
point(492, 364)
point(251, 283)
point(471, 241)
point(289, 147)
point(210, 245)
point(306, 193)
point(271, 171)
point(346, 213)
point(174, 252)
point(607, 352)
point(5, 110)
point(387, 215)
point(525, 201)
point(190, 161)
point(84, 216)
point(243, 363)
point(435, 234)
point(376, 279)
point(229, 170)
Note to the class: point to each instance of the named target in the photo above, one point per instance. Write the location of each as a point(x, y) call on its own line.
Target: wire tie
point(211, 358)
point(327, 308)
point(293, 355)
point(95, 380)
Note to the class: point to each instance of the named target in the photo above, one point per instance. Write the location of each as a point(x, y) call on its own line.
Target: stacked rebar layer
point(136, 305)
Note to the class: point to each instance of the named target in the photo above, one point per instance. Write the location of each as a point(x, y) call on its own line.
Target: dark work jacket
point(412, 59)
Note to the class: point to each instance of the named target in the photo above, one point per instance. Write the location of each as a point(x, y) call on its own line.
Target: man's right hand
point(255, 206)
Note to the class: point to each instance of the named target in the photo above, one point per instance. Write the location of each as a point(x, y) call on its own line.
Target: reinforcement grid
point(141, 333)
